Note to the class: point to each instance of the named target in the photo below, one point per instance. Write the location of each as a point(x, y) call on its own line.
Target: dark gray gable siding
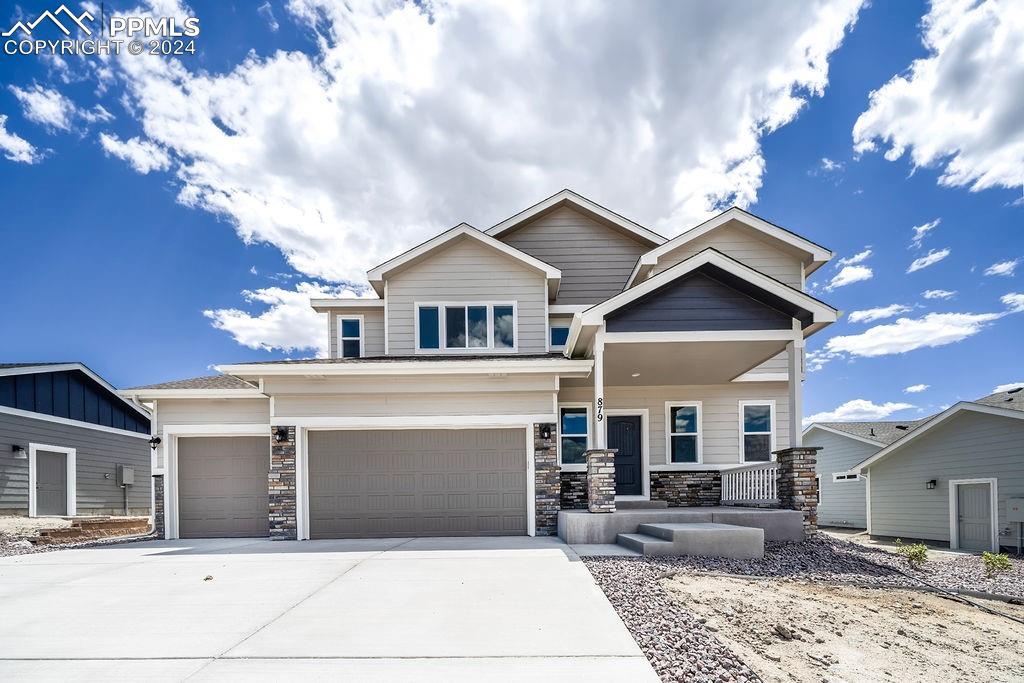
point(71, 394)
point(696, 302)
point(98, 454)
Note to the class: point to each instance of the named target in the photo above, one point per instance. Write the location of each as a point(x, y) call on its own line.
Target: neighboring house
point(947, 478)
point(462, 399)
point(65, 437)
point(842, 494)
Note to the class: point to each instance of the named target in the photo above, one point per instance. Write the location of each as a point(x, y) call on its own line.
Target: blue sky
point(166, 215)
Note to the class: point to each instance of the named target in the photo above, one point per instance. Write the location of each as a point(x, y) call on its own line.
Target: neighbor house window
point(350, 337)
point(559, 335)
point(458, 327)
point(574, 434)
point(683, 432)
point(756, 423)
point(845, 477)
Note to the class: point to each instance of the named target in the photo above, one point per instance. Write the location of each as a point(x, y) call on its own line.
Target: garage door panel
point(417, 483)
point(222, 487)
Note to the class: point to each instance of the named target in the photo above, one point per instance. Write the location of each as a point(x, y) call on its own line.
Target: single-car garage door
point(437, 482)
point(222, 487)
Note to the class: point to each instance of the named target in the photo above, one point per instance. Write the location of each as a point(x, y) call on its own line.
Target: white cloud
point(931, 258)
point(287, 322)
point(938, 294)
point(857, 410)
point(958, 109)
point(50, 108)
point(871, 314)
point(1006, 387)
point(1013, 301)
point(1003, 268)
point(916, 388)
point(413, 119)
point(829, 166)
point(848, 275)
point(921, 231)
point(16, 148)
point(908, 334)
point(267, 12)
point(856, 258)
point(142, 155)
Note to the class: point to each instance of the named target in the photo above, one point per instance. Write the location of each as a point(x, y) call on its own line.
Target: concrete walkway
point(395, 609)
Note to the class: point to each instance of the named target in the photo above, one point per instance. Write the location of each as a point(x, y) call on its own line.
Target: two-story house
point(463, 398)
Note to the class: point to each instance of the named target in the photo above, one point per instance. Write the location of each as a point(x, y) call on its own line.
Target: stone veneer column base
point(158, 506)
point(281, 485)
point(601, 480)
point(574, 490)
point(547, 486)
point(687, 489)
point(798, 483)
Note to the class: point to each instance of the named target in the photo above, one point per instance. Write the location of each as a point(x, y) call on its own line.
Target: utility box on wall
point(1015, 510)
point(125, 476)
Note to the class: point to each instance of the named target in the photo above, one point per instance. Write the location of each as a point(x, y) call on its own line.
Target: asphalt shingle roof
point(4, 366)
point(211, 382)
point(1012, 399)
point(882, 431)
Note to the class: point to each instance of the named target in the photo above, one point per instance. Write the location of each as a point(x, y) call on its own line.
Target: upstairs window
point(465, 327)
point(350, 336)
point(683, 432)
point(757, 422)
point(559, 336)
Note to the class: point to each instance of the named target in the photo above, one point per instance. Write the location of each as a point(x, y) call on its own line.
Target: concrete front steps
point(699, 539)
point(92, 528)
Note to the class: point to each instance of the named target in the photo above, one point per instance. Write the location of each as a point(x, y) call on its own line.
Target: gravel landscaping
point(679, 645)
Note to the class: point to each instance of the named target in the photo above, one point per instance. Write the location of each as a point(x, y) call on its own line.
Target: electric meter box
point(1015, 510)
point(125, 476)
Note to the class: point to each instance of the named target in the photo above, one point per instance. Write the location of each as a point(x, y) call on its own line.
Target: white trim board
point(954, 510)
point(72, 423)
point(325, 305)
point(411, 421)
point(70, 479)
point(562, 366)
point(36, 369)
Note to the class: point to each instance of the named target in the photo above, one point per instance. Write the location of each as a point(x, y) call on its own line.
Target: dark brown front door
point(624, 436)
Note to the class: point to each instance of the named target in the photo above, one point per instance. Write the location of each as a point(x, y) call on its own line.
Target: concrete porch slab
point(577, 527)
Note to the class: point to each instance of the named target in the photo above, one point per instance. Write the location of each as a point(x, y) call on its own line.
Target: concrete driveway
point(395, 609)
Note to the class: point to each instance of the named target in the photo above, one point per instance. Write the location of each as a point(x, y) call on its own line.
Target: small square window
point(350, 328)
point(559, 335)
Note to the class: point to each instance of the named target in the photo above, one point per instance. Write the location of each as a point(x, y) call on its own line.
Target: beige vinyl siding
point(744, 246)
point(468, 271)
point(843, 503)
point(967, 446)
point(195, 411)
point(595, 259)
point(282, 387)
point(373, 330)
point(773, 365)
point(720, 418)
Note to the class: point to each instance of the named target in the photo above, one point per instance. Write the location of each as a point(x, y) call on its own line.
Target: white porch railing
point(755, 483)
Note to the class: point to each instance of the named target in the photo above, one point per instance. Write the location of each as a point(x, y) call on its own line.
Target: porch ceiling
point(659, 363)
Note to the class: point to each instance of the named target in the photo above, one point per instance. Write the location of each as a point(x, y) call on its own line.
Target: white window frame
point(443, 333)
point(669, 405)
point(573, 467)
point(362, 334)
point(954, 510)
point(551, 327)
point(743, 432)
point(70, 479)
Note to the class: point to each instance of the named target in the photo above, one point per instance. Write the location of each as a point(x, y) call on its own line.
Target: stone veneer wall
point(798, 483)
point(281, 485)
point(574, 490)
point(547, 483)
point(687, 489)
point(158, 505)
point(601, 480)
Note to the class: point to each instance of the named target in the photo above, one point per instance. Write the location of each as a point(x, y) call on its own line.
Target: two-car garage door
point(378, 483)
point(454, 482)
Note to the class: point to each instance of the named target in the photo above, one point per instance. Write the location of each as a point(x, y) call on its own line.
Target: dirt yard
point(794, 631)
point(21, 527)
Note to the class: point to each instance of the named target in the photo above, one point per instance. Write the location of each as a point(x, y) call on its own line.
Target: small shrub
point(916, 553)
point(995, 563)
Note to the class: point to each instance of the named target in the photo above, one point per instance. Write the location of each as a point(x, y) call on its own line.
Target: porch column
point(795, 357)
point(600, 433)
point(281, 485)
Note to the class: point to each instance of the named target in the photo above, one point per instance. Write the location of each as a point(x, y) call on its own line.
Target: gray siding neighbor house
point(65, 438)
point(948, 478)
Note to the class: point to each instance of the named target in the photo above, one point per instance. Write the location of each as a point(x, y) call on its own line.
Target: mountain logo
point(52, 16)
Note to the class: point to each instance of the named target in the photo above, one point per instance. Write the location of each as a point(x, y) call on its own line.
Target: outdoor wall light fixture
point(154, 441)
point(930, 484)
point(17, 448)
point(281, 434)
point(545, 431)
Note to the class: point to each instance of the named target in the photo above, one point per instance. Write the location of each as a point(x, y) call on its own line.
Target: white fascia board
point(561, 366)
point(839, 432)
point(69, 422)
point(823, 313)
point(570, 197)
point(698, 336)
point(324, 305)
point(154, 394)
point(955, 409)
point(554, 275)
point(32, 369)
point(819, 254)
point(413, 421)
